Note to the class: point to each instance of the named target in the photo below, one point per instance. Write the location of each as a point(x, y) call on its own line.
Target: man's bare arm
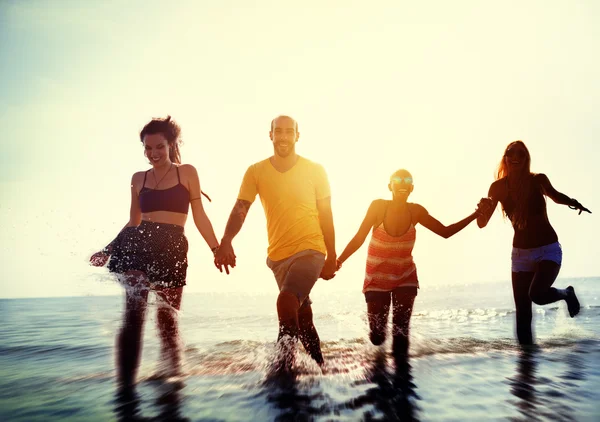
point(326, 221)
point(225, 257)
point(236, 219)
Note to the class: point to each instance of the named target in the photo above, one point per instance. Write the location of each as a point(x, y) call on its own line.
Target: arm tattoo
point(241, 209)
point(237, 217)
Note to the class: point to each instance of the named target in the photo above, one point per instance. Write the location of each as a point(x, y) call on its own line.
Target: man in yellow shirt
point(295, 195)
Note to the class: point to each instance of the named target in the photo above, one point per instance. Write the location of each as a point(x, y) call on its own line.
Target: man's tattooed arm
point(236, 219)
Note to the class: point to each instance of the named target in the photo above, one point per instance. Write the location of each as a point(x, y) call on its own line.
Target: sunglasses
point(515, 153)
point(400, 180)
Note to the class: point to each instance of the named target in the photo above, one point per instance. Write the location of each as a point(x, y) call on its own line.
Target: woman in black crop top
point(536, 254)
point(150, 252)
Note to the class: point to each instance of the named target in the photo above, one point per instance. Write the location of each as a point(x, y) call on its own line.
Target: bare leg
point(521, 283)
point(308, 333)
point(541, 292)
point(377, 313)
point(129, 339)
point(402, 306)
point(167, 322)
point(287, 311)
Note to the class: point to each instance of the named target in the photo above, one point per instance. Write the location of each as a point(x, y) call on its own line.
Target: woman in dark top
point(150, 252)
point(536, 254)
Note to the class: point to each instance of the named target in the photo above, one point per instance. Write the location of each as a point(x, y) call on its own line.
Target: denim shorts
point(526, 260)
point(298, 273)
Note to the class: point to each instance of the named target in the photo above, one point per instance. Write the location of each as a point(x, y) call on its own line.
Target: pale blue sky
point(439, 88)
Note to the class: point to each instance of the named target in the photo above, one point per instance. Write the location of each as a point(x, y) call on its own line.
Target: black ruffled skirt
point(157, 249)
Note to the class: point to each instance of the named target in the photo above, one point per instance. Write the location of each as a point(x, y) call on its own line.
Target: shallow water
point(56, 361)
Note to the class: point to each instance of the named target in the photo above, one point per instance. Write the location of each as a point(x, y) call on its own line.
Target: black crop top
point(175, 199)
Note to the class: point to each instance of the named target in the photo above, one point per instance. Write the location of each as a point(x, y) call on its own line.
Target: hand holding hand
point(225, 257)
point(484, 206)
point(329, 269)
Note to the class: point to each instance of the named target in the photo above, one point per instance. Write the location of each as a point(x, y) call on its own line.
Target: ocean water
point(57, 361)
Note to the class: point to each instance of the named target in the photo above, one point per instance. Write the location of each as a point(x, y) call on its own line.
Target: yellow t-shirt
point(290, 203)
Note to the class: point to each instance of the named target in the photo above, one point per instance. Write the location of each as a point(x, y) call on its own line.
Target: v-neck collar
point(288, 170)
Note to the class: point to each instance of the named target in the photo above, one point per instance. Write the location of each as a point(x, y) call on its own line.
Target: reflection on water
point(393, 393)
point(293, 401)
point(547, 382)
point(523, 383)
point(168, 403)
point(390, 394)
point(127, 406)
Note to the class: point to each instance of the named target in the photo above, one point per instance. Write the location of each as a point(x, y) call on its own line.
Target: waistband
point(153, 225)
point(550, 246)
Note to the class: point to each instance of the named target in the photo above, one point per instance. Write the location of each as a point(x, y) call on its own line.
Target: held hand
point(99, 259)
point(225, 257)
point(329, 269)
point(338, 264)
point(484, 206)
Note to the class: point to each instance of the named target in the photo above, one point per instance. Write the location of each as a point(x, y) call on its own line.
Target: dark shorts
point(298, 273)
point(527, 260)
point(373, 296)
point(159, 250)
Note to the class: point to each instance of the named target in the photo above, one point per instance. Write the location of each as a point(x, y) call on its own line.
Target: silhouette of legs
point(521, 283)
point(287, 312)
point(296, 276)
point(402, 301)
point(129, 339)
point(541, 292)
point(308, 333)
point(536, 287)
point(168, 327)
point(378, 308)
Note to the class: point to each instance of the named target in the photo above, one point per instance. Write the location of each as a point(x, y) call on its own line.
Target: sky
point(439, 88)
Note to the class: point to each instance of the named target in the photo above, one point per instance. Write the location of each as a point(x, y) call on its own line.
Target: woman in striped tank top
point(391, 274)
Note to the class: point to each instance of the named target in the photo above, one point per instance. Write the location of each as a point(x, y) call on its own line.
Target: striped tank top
point(389, 261)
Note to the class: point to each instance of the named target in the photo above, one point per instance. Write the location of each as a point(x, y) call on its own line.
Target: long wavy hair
point(523, 188)
point(170, 130)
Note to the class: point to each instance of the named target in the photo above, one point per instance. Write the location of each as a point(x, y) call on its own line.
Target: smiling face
point(156, 149)
point(516, 158)
point(284, 135)
point(401, 184)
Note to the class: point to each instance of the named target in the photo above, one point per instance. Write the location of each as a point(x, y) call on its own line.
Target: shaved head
point(280, 118)
point(401, 173)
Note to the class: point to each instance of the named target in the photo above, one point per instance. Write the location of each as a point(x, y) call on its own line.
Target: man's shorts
point(298, 273)
point(526, 260)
